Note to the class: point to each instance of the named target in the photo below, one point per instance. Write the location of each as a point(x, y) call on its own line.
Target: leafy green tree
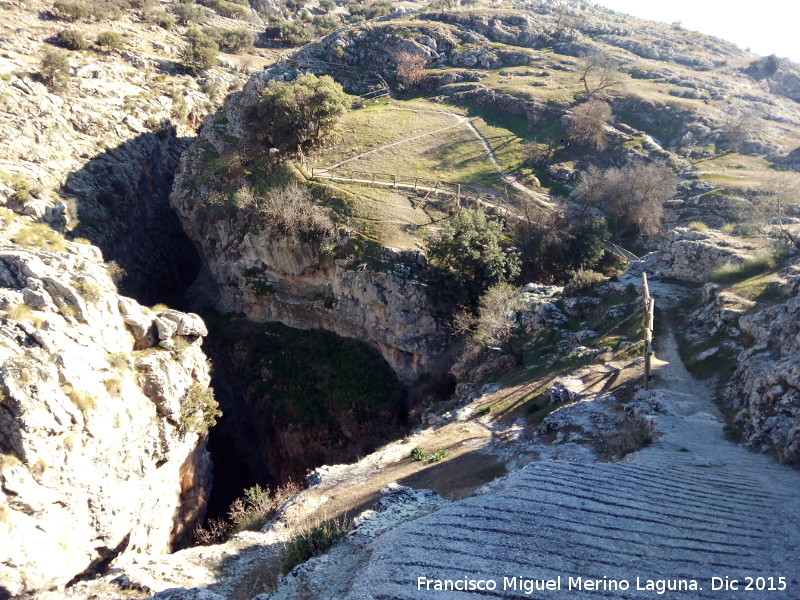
point(55, 70)
point(201, 53)
point(188, 13)
point(71, 40)
point(473, 252)
point(110, 40)
point(585, 249)
point(296, 115)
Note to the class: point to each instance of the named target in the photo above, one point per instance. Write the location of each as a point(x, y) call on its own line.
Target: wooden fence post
point(647, 327)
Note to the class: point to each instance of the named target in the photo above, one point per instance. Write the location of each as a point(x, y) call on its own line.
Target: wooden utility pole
point(647, 328)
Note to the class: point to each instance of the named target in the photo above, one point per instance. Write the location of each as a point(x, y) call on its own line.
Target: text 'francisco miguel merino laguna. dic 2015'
point(529, 586)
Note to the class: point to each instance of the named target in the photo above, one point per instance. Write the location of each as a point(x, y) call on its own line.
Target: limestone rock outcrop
point(271, 277)
point(690, 256)
point(764, 392)
point(101, 450)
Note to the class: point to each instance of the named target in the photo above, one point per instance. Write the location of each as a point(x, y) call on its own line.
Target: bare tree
point(588, 124)
point(774, 204)
point(633, 195)
point(599, 75)
point(496, 325)
point(410, 68)
point(739, 128)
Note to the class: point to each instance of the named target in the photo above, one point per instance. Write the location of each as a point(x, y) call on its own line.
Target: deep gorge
point(292, 399)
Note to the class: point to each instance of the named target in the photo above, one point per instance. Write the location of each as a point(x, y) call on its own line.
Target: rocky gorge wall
point(102, 443)
point(271, 277)
point(764, 392)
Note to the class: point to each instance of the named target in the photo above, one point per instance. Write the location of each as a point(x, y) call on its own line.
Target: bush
point(370, 11)
point(188, 13)
point(89, 291)
point(69, 11)
point(54, 70)
point(83, 401)
point(312, 542)
point(409, 68)
point(248, 513)
point(287, 210)
point(110, 40)
point(581, 280)
point(231, 40)
point(201, 54)
point(298, 114)
point(290, 33)
point(71, 40)
point(232, 10)
point(474, 251)
point(199, 410)
point(163, 20)
point(698, 226)
point(771, 64)
point(636, 432)
point(587, 125)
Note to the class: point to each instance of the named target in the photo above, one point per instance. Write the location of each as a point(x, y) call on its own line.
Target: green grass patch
point(312, 542)
point(765, 260)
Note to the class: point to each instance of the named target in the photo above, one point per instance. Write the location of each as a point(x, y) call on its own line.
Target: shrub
point(312, 542)
point(110, 40)
point(409, 68)
point(733, 271)
point(201, 54)
point(327, 5)
point(199, 410)
point(19, 312)
point(89, 291)
point(231, 40)
point(188, 13)
point(115, 271)
point(298, 114)
point(636, 432)
point(54, 70)
point(248, 513)
point(474, 252)
point(418, 454)
point(324, 24)
point(40, 235)
point(232, 10)
point(288, 32)
point(370, 11)
point(163, 20)
point(581, 280)
point(118, 361)
point(69, 11)
point(288, 210)
point(85, 402)
point(698, 226)
point(114, 386)
point(771, 64)
point(71, 40)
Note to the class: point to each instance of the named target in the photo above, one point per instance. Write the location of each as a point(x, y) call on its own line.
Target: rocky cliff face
point(764, 392)
point(102, 445)
point(274, 278)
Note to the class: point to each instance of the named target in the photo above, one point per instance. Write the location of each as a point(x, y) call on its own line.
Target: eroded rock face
point(765, 389)
point(97, 451)
point(271, 277)
point(690, 256)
